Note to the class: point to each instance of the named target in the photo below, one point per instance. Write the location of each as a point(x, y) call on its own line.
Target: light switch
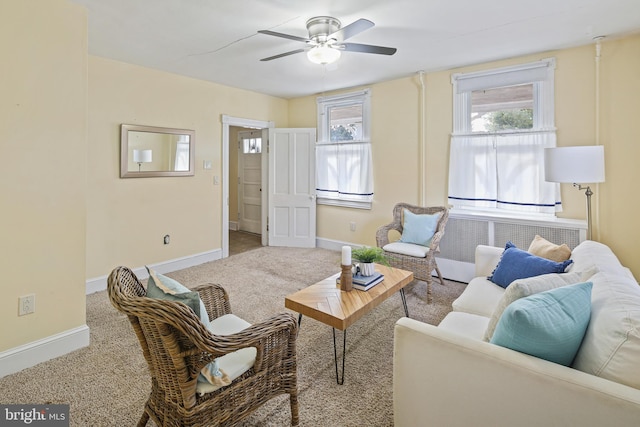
point(206, 164)
point(216, 180)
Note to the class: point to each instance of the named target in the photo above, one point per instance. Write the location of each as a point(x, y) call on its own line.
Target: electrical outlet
point(26, 304)
point(167, 239)
point(352, 226)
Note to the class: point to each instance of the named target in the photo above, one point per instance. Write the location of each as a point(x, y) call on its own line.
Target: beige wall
point(618, 203)
point(43, 125)
point(127, 218)
point(397, 135)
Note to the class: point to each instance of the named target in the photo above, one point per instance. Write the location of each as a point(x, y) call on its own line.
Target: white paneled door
point(250, 181)
point(292, 193)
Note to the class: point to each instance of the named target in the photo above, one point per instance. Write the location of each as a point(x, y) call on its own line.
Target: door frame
point(226, 122)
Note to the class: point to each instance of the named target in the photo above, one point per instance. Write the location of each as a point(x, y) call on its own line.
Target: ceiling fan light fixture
point(323, 54)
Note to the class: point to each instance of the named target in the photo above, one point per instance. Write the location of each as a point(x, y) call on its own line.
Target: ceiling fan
point(326, 40)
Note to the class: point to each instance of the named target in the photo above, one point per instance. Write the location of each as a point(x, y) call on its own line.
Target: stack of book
point(365, 283)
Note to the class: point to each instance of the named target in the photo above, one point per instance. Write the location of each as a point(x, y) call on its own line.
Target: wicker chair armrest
point(274, 339)
point(382, 234)
point(215, 299)
point(435, 241)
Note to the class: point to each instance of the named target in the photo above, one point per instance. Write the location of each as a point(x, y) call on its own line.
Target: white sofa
point(450, 375)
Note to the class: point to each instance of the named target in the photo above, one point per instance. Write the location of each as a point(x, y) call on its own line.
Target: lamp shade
point(579, 165)
point(142, 156)
point(323, 54)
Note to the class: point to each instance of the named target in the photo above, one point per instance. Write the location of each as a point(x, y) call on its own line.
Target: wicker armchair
point(420, 266)
point(177, 345)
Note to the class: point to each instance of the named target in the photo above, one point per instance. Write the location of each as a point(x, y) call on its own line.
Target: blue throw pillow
point(419, 228)
point(549, 325)
point(163, 287)
point(518, 264)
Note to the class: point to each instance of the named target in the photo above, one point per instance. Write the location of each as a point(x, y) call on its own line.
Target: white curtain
point(345, 171)
point(502, 171)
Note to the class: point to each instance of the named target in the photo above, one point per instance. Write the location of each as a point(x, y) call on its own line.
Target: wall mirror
point(148, 151)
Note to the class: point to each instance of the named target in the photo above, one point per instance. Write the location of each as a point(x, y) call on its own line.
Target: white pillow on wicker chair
point(233, 364)
point(407, 249)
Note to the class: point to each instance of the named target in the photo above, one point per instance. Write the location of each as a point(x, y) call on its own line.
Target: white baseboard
point(98, 284)
point(30, 354)
point(333, 245)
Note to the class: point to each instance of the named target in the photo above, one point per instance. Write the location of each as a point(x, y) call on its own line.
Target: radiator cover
point(465, 231)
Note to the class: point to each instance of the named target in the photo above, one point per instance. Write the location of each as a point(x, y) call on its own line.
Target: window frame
point(324, 104)
point(541, 74)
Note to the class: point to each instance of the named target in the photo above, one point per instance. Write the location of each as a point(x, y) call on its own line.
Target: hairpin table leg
point(404, 302)
point(339, 378)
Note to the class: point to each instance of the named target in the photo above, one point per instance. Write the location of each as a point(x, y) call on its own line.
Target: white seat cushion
point(232, 364)
point(227, 325)
point(480, 297)
point(407, 249)
point(469, 325)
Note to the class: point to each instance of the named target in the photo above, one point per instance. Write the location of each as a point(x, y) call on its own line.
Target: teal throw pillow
point(518, 264)
point(163, 287)
point(549, 325)
point(419, 228)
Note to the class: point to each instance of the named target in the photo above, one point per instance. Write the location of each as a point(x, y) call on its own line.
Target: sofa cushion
point(419, 228)
point(469, 325)
point(549, 325)
point(518, 264)
point(611, 346)
point(545, 249)
point(590, 254)
point(479, 297)
point(522, 288)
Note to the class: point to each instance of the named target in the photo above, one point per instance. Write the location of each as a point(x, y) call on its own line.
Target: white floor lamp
point(576, 165)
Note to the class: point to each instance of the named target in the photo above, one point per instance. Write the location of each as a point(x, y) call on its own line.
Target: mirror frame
point(124, 151)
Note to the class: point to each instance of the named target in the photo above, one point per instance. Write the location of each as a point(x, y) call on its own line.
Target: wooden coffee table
point(326, 303)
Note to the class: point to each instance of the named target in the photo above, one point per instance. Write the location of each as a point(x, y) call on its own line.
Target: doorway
point(288, 200)
point(229, 145)
point(245, 197)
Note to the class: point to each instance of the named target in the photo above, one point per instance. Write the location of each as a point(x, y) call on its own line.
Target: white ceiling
point(216, 40)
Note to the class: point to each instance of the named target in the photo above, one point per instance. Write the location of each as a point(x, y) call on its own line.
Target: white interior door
point(250, 181)
point(292, 192)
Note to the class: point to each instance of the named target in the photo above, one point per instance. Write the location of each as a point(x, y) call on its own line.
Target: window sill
point(344, 203)
point(513, 216)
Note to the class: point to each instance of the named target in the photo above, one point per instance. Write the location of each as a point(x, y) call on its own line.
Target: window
point(251, 142)
point(343, 152)
point(502, 108)
point(503, 121)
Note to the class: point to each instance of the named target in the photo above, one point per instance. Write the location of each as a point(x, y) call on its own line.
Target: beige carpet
point(106, 384)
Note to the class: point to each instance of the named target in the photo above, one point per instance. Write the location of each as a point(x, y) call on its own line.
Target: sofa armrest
point(442, 378)
point(486, 259)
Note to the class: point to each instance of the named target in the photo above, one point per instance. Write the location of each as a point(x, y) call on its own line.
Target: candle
point(346, 255)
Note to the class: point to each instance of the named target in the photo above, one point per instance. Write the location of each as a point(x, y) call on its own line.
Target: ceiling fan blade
point(283, 54)
point(284, 36)
point(352, 29)
point(367, 48)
